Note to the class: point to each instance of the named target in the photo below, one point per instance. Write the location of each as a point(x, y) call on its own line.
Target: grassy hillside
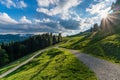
point(15, 63)
point(76, 42)
point(107, 47)
point(54, 64)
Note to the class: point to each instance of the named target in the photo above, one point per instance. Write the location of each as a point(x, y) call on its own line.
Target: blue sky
point(37, 16)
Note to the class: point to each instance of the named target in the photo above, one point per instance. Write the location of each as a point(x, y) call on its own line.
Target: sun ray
point(104, 15)
point(110, 22)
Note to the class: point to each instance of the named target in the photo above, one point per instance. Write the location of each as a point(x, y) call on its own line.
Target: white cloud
point(44, 10)
point(65, 15)
point(95, 8)
point(46, 3)
point(11, 3)
point(72, 15)
point(45, 20)
point(26, 26)
point(101, 7)
point(24, 20)
point(70, 32)
point(60, 7)
point(105, 1)
point(8, 3)
point(21, 4)
point(36, 21)
point(6, 19)
point(99, 10)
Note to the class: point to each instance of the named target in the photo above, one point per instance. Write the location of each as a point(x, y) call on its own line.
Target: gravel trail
point(103, 69)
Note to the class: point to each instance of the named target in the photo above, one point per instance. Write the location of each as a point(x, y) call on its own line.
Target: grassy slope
point(107, 47)
point(15, 63)
point(54, 64)
point(76, 42)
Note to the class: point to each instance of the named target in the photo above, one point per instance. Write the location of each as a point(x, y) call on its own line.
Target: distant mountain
point(6, 38)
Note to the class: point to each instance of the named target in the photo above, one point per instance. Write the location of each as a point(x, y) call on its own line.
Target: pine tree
point(113, 6)
point(54, 39)
point(59, 37)
point(96, 27)
point(16, 50)
point(3, 57)
point(117, 3)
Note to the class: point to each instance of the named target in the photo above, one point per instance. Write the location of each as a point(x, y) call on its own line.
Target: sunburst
point(104, 15)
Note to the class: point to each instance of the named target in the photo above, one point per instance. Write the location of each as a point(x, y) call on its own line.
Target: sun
point(104, 15)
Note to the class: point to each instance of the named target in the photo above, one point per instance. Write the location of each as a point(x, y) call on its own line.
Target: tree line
point(15, 50)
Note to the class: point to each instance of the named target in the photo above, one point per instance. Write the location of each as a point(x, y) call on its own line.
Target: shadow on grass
point(26, 67)
point(39, 71)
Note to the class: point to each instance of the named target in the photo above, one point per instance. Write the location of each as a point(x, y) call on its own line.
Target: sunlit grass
point(15, 63)
point(54, 64)
point(105, 47)
point(71, 41)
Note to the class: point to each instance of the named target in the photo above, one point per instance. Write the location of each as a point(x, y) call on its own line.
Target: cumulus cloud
point(44, 20)
point(59, 7)
point(6, 19)
point(99, 10)
point(46, 3)
point(24, 25)
point(103, 6)
point(54, 16)
point(70, 24)
point(53, 24)
point(105, 1)
point(8, 3)
point(86, 23)
point(31, 28)
point(21, 4)
point(36, 21)
point(11, 3)
point(70, 19)
point(24, 20)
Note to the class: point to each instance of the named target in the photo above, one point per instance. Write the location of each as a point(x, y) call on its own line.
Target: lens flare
point(104, 15)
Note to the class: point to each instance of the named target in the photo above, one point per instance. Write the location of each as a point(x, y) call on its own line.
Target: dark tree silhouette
point(3, 57)
point(16, 50)
point(95, 27)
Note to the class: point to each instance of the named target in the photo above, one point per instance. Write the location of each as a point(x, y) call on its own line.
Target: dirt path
point(23, 63)
point(103, 69)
